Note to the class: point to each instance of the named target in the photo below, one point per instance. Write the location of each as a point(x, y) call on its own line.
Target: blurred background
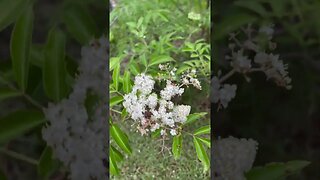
point(286, 123)
point(22, 148)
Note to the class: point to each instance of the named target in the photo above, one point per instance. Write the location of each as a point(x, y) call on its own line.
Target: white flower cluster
point(188, 78)
point(260, 61)
point(78, 139)
point(222, 94)
point(153, 112)
point(270, 64)
point(273, 68)
point(233, 157)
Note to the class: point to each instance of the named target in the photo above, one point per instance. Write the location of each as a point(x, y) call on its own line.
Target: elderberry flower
point(173, 132)
point(222, 93)
point(227, 93)
point(78, 142)
point(181, 112)
point(155, 127)
point(152, 101)
point(152, 111)
point(268, 30)
point(171, 90)
point(144, 83)
point(163, 132)
point(240, 62)
point(274, 68)
point(233, 157)
point(195, 83)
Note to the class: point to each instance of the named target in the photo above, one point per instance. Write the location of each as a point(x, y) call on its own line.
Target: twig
point(228, 75)
point(18, 156)
point(26, 96)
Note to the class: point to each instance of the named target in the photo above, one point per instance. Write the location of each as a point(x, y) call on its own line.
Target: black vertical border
point(210, 96)
point(107, 83)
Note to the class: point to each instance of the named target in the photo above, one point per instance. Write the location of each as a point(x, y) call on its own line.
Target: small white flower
point(181, 112)
point(195, 83)
point(170, 105)
point(155, 127)
point(144, 83)
point(152, 101)
point(185, 80)
point(173, 132)
point(240, 62)
point(171, 90)
point(163, 132)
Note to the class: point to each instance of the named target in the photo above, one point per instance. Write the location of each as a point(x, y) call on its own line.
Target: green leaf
point(278, 7)
point(20, 45)
point(160, 60)
point(37, 55)
point(195, 116)
point(80, 24)
point(19, 122)
point(47, 165)
point(201, 153)
point(205, 141)
point(116, 76)
point(127, 82)
point(232, 23)
point(124, 114)
point(11, 10)
point(140, 21)
point(54, 70)
point(6, 93)
point(203, 130)
point(177, 146)
point(117, 154)
point(156, 133)
point(276, 170)
point(182, 69)
point(114, 170)
point(144, 60)
point(115, 100)
point(113, 62)
point(120, 138)
point(253, 6)
point(2, 175)
point(134, 68)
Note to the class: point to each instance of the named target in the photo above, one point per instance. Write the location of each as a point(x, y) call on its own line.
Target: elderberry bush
point(159, 88)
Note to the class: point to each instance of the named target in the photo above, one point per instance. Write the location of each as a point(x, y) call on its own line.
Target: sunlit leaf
point(160, 60)
point(203, 130)
point(201, 153)
point(116, 76)
point(177, 146)
point(120, 138)
point(115, 100)
point(195, 116)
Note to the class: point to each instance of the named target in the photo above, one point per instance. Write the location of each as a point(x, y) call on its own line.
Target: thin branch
point(228, 75)
point(18, 156)
point(26, 96)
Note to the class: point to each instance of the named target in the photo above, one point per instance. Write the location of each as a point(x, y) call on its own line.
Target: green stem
point(26, 96)
point(18, 156)
point(116, 111)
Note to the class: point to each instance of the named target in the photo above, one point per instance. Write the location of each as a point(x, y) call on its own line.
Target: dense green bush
point(145, 37)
